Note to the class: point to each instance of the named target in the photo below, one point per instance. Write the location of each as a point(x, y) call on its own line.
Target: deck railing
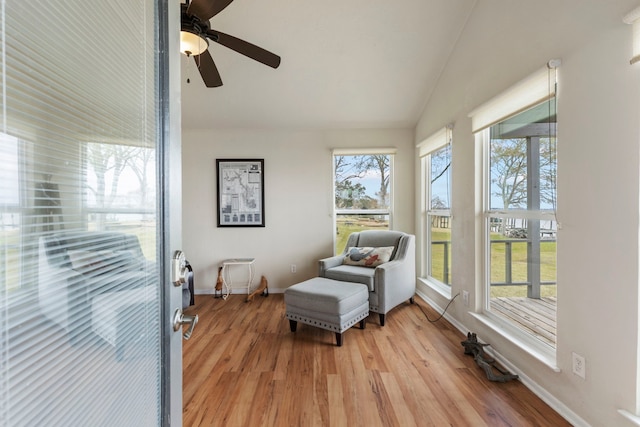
point(508, 262)
point(508, 256)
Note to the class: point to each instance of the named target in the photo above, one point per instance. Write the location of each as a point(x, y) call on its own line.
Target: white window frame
point(433, 143)
point(19, 208)
point(362, 152)
point(531, 91)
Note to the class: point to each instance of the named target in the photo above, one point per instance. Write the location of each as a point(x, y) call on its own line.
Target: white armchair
point(390, 283)
point(75, 267)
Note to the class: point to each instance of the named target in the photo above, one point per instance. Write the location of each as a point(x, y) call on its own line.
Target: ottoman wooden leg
point(293, 325)
point(363, 323)
point(339, 339)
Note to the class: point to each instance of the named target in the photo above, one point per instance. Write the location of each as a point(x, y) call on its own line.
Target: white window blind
point(530, 91)
point(79, 295)
point(436, 140)
point(633, 18)
point(362, 152)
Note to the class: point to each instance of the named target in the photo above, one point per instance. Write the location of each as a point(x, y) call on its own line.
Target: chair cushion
point(352, 273)
point(379, 238)
point(368, 257)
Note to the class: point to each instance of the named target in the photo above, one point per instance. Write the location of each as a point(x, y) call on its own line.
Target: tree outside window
point(362, 194)
point(120, 190)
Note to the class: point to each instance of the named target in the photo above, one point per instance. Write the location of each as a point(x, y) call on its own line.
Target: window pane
point(362, 194)
point(120, 176)
point(440, 253)
point(436, 264)
point(522, 248)
point(80, 313)
point(515, 257)
point(511, 140)
point(362, 182)
point(347, 224)
point(441, 178)
point(523, 274)
point(9, 177)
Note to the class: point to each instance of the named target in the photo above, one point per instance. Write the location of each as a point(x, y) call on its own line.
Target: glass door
point(86, 299)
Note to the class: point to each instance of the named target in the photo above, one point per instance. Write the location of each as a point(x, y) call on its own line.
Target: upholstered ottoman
point(327, 304)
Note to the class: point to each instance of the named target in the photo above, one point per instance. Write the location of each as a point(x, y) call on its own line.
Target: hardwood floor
point(243, 367)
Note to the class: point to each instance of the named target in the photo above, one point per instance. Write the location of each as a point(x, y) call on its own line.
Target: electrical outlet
point(465, 298)
point(578, 365)
point(293, 268)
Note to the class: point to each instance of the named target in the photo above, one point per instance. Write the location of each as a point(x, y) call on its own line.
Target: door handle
point(178, 268)
point(179, 319)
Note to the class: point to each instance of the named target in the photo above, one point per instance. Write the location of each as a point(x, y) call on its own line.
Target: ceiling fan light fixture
point(192, 44)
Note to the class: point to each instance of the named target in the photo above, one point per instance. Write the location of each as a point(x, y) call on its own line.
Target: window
point(363, 196)
point(120, 190)
point(435, 156)
point(10, 215)
point(70, 295)
point(519, 215)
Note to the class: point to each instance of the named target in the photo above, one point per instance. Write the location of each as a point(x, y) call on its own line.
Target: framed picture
point(240, 192)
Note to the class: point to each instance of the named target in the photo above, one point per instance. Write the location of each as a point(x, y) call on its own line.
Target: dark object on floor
point(476, 349)
point(219, 283)
point(188, 289)
point(262, 289)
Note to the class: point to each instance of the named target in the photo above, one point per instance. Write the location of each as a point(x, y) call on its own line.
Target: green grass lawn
point(519, 267)
point(498, 260)
point(437, 254)
point(348, 226)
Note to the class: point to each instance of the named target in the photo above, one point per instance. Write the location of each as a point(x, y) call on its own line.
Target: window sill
point(629, 416)
point(443, 290)
point(541, 352)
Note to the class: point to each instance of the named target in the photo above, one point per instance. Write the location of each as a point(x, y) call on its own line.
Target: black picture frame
point(240, 186)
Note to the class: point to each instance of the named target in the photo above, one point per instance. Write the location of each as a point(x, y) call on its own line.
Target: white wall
point(298, 198)
point(598, 188)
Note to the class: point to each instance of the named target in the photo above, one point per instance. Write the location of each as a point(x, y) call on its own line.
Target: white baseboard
point(236, 291)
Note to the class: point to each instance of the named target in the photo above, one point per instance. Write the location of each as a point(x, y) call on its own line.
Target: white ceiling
point(345, 63)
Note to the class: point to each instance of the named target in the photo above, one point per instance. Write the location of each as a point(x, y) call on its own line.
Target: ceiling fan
point(195, 31)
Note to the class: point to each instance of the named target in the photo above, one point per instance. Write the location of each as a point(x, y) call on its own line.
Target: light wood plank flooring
point(243, 367)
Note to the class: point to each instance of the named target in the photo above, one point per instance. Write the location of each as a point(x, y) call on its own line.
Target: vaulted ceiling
point(345, 63)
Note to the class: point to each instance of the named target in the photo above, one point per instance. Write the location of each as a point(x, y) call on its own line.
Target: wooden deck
point(536, 316)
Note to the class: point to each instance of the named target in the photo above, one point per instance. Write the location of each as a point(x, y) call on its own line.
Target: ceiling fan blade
point(208, 69)
point(245, 48)
point(205, 9)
